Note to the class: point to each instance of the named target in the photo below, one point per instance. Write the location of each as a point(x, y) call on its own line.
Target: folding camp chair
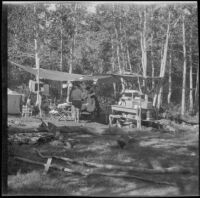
point(65, 112)
point(26, 111)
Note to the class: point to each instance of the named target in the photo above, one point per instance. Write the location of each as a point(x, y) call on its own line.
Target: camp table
point(136, 112)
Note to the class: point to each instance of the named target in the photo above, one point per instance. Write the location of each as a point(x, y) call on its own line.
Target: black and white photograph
point(100, 98)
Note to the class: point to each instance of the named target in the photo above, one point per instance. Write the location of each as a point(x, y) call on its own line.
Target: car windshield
point(128, 94)
point(150, 99)
point(137, 96)
point(134, 95)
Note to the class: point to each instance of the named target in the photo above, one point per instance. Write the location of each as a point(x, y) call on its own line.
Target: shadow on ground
point(97, 143)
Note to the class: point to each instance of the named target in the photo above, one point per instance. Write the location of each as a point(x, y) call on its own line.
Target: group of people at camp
point(82, 98)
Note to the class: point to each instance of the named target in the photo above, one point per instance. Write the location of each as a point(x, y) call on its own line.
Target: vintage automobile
point(129, 105)
point(134, 98)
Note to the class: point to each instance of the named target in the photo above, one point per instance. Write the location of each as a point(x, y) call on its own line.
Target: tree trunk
point(61, 47)
point(159, 94)
point(170, 79)
point(143, 47)
point(72, 53)
point(37, 63)
point(113, 67)
point(159, 99)
point(113, 59)
point(123, 85)
point(191, 76)
point(128, 54)
point(123, 58)
point(121, 47)
point(184, 70)
point(114, 89)
point(152, 63)
point(70, 71)
point(144, 52)
point(197, 91)
point(61, 57)
point(118, 58)
point(163, 63)
point(155, 99)
point(152, 55)
point(127, 48)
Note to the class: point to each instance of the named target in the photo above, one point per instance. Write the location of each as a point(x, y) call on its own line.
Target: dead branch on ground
point(124, 168)
point(124, 175)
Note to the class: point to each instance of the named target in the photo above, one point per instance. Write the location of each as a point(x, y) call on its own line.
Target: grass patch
point(99, 144)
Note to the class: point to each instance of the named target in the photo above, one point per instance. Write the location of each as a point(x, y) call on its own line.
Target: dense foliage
point(106, 41)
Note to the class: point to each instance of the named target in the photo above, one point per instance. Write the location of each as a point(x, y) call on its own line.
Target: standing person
point(28, 102)
point(90, 102)
point(76, 97)
point(97, 105)
point(45, 105)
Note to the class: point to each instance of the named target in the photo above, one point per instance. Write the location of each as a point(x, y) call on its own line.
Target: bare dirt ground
point(98, 143)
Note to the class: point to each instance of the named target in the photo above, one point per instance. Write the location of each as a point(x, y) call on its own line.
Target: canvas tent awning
point(50, 74)
point(57, 75)
point(98, 77)
point(134, 75)
point(64, 76)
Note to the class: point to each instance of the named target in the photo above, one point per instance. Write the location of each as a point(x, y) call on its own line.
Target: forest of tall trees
point(157, 40)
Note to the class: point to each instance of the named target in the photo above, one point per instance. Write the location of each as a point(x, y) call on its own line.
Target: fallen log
point(22, 130)
point(46, 139)
point(54, 166)
point(133, 177)
point(179, 119)
point(61, 168)
point(189, 122)
point(126, 168)
point(67, 160)
point(151, 123)
point(30, 138)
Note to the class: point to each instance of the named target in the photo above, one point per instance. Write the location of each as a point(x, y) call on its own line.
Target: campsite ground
point(97, 143)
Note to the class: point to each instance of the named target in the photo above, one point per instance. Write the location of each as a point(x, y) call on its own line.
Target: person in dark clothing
point(98, 109)
point(94, 97)
point(76, 97)
point(45, 105)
